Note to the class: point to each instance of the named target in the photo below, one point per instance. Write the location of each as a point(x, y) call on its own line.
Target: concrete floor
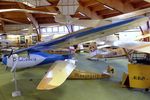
point(105, 89)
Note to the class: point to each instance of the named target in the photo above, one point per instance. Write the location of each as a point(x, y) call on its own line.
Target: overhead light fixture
point(147, 1)
point(29, 4)
point(28, 19)
point(81, 14)
point(26, 29)
point(108, 7)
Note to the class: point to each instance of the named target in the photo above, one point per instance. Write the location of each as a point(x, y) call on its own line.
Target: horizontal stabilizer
point(56, 75)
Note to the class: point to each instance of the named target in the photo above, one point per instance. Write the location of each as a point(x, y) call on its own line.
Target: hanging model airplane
point(59, 72)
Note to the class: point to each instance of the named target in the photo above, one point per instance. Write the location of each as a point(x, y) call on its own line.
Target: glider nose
point(4, 60)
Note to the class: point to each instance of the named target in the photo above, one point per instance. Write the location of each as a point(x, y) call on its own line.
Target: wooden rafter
point(53, 2)
point(88, 12)
point(97, 8)
point(111, 15)
point(90, 3)
point(33, 21)
point(118, 5)
point(2, 26)
point(106, 12)
point(141, 4)
point(9, 20)
point(93, 9)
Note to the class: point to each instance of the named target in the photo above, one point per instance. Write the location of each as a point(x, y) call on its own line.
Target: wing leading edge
point(88, 34)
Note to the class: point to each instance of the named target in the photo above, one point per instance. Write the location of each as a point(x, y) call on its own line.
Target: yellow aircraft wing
point(56, 75)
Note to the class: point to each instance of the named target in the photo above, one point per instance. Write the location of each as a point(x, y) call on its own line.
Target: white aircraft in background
point(5, 41)
point(59, 72)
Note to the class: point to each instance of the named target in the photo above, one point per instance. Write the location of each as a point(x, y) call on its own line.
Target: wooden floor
point(105, 89)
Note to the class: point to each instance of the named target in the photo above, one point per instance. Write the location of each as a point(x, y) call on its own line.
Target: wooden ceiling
point(92, 9)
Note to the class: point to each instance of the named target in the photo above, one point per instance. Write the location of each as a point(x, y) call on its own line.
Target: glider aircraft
point(64, 64)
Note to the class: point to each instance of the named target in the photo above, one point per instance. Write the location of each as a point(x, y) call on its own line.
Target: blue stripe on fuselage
point(43, 54)
point(50, 58)
point(4, 60)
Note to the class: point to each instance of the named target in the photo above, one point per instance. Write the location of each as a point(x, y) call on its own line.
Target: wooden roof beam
point(2, 25)
point(9, 20)
point(29, 16)
point(88, 12)
point(141, 4)
point(7, 2)
point(32, 20)
point(106, 12)
point(98, 8)
point(90, 3)
point(111, 15)
point(53, 2)
point(118, 5)
point(52, 9)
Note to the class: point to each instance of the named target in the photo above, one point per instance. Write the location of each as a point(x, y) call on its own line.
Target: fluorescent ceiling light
point(147, 0)
point(82, 14)
point(29, 4)
point(26, 29)
point(28, 19)
point(108, 7)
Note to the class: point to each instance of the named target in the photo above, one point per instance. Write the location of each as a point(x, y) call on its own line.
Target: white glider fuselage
point(34, 59)
point(23, 62)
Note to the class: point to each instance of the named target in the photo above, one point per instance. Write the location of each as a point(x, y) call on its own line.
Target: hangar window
point(66, 30)
point(43, 30)
point(61, 29)
point(81, 27)
point(76, 28)
point(49, 30)
point(55, 29)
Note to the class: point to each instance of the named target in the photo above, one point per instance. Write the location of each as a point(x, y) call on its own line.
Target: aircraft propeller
point(10, 53)
point(13, 58)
